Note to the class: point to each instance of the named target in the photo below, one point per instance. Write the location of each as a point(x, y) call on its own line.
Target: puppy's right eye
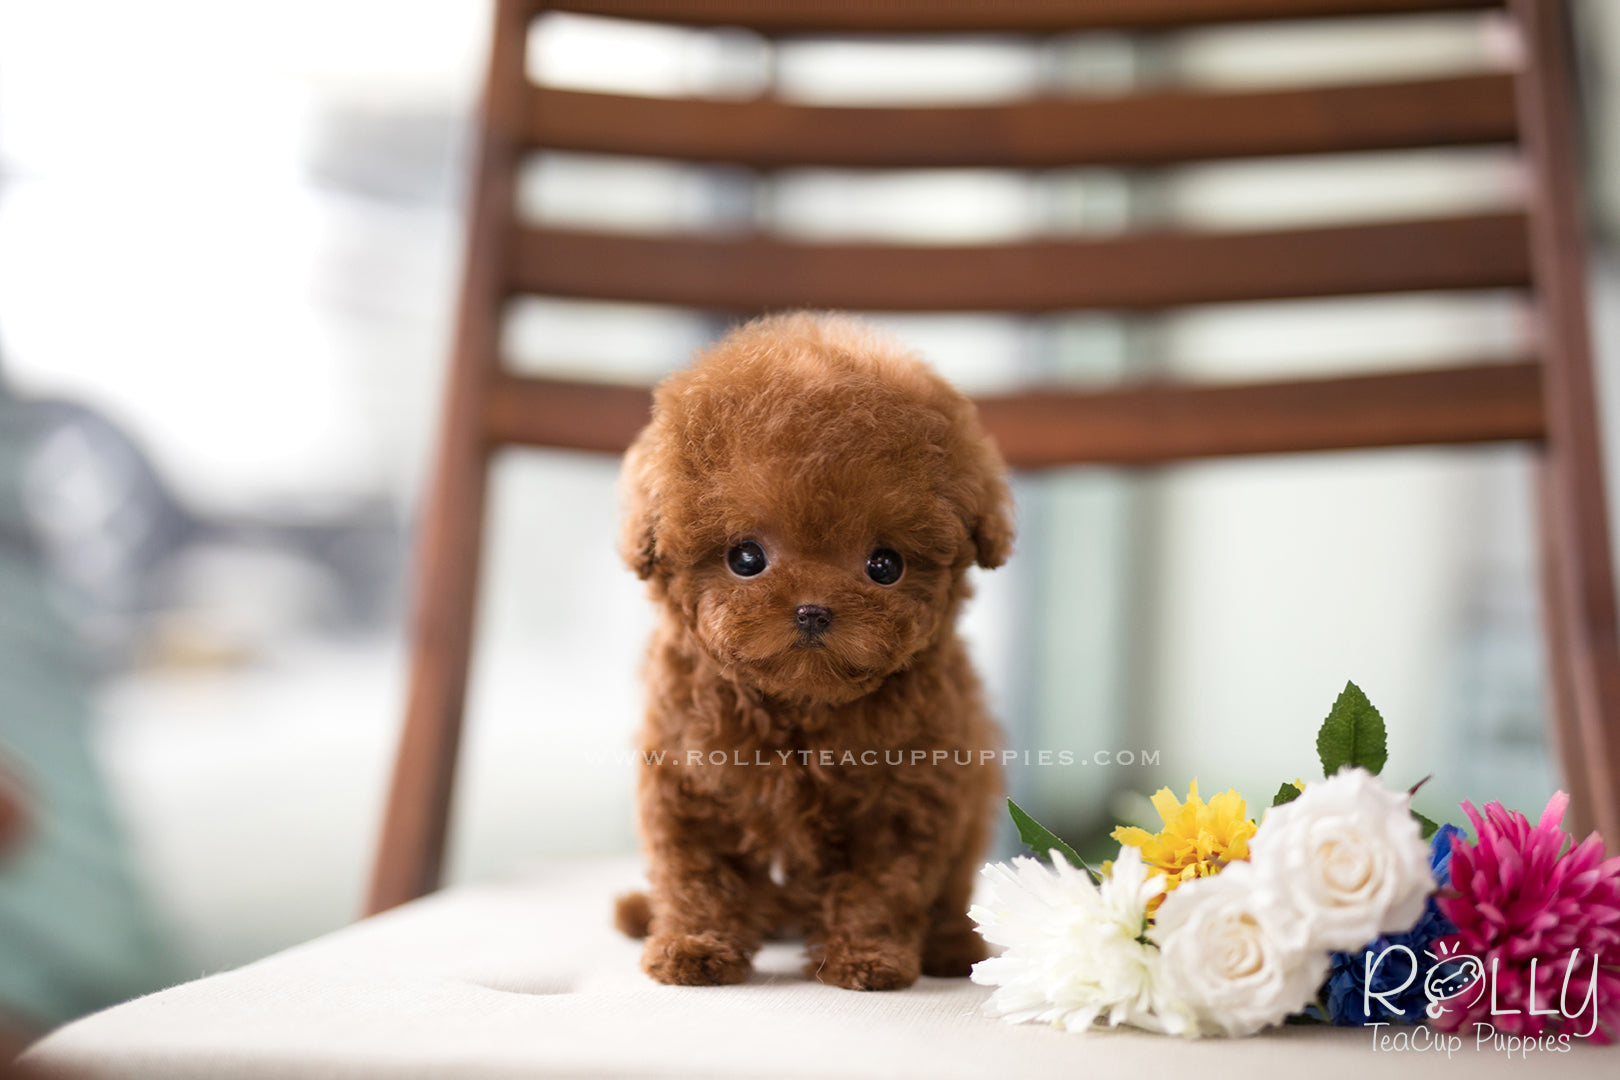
point(746, 559)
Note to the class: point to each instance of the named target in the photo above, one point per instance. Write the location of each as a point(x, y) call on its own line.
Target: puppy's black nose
point(813, 618)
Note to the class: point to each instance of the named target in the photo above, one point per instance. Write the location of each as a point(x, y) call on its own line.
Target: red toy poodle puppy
point(804, 505)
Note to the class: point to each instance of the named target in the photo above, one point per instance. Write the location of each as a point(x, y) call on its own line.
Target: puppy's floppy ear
point(992, 522)
point(981, 493)
point(638, 529)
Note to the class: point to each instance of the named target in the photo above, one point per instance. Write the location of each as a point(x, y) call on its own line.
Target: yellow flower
point(1198, 838)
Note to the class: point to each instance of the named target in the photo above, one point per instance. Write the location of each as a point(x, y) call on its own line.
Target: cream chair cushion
point(529, 980)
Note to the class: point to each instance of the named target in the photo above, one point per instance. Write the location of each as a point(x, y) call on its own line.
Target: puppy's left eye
point(746, 559)
point(885, 566)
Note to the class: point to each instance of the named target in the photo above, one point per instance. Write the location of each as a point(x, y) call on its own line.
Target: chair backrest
point(1545, 399)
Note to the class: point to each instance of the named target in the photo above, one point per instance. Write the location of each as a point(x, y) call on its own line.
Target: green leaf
point(1286, 794)
point(1044, 840)
point(1429, 828)
point(1352, 734)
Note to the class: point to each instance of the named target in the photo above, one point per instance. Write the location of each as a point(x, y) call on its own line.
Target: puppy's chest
point(795, 776)
point(788, 817)
point(788, 789)
point(805, 743)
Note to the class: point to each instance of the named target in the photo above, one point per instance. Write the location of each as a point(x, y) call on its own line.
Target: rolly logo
point(1452, 976)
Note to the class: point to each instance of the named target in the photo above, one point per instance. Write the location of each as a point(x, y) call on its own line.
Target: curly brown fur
point(821, 441)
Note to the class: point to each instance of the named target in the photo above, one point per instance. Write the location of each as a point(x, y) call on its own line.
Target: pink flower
point(1522, 903)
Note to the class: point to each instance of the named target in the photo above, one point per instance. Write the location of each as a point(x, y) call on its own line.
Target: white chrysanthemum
point(1072, 950)
point(1233, 950)
point(1349, 857)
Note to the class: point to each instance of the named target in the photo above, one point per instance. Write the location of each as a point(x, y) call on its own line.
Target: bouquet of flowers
point(1343, 905)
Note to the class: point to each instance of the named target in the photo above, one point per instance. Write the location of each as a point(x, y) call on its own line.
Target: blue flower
point(1347, 978)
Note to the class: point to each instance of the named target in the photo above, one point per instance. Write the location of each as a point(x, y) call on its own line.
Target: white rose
point(1348, 855)
point(1233, 951)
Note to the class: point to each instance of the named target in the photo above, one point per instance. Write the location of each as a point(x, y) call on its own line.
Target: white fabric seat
point(529, 979)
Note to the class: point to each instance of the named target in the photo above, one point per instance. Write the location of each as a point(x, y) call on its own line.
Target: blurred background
point(230, 240)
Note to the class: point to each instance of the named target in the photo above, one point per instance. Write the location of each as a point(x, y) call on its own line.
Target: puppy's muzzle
point(813, 621)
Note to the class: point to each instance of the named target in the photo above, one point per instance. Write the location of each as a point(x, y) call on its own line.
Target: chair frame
point(1547, 401)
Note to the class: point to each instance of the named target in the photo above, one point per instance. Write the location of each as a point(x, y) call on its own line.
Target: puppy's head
point(807, 499)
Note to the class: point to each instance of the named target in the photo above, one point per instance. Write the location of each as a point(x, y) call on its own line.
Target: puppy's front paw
point(707, 959)
point(868, 965)
point(951, 955)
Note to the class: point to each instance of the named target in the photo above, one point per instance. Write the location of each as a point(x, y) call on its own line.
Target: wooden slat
point(1135, 130)
point(1148, 424)
point(525, 410)
point(1583, 619)
point(941, 16)
point(1131, 272)
point(1130, 425)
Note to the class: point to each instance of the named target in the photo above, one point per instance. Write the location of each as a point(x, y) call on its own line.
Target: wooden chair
point(13, 817)
point(1546, 401)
